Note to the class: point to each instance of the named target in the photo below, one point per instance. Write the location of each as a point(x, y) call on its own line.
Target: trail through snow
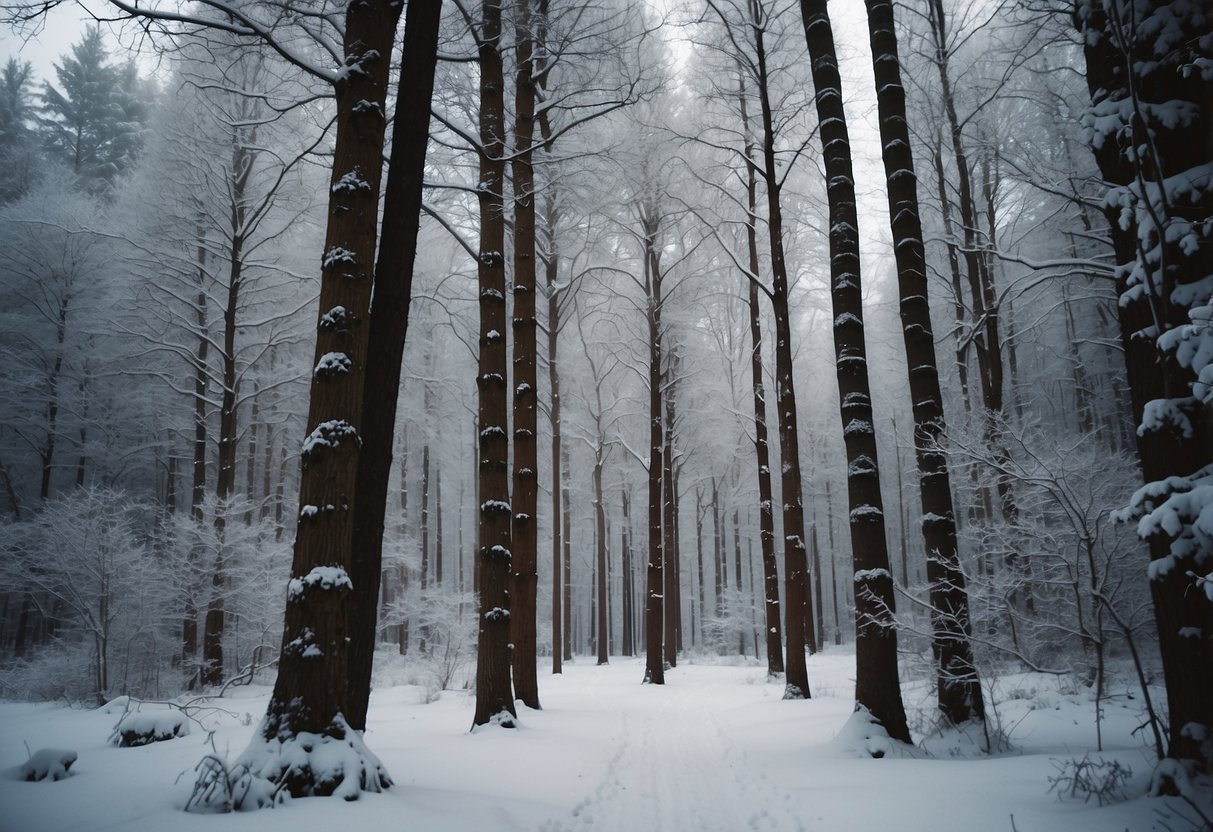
point(716, 749)
point(673, 768)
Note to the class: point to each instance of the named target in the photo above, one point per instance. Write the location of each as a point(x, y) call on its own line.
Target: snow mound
point(862, 735)
point(47, 764)
point(144, 727)
point(336, 763)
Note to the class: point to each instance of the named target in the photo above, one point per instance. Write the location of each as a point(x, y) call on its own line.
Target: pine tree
point(93, 122)
point(17, 145)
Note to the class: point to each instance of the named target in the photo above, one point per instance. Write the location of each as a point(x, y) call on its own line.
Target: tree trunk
point(566, 536)
point(654, 671)
point(628, 647)
point(215, 620)
point(494, 694)
point(600, 545)
point(387, 329)
point(958, 686)
point(1151, 161)
point(525, 577)
point(877, 687)
point(795, 559)
point(766, 517)
point(311, 692)
point(671, 610)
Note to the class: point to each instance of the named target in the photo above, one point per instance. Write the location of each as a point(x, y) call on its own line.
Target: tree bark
point(794, 554)
point(958, 686)
point(654, 671)
point(1131, 76)
point(311, 692)
point(525, 576)
point(387, 329)
point(494, 694)
point(877, 687)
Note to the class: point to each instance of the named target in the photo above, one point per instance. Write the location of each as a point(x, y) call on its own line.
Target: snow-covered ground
point(714, 749)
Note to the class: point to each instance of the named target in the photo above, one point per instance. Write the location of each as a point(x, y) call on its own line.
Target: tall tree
point(18, 149)
point(525, 576)
point(877, 687)
point(494, 693)
point(93, 122)
point(1151, 126)
point(958, 687)
point(306, 716)
point(762, 450)
point(386, 332)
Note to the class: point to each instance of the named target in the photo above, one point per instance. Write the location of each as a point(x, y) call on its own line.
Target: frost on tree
point(1149, 72)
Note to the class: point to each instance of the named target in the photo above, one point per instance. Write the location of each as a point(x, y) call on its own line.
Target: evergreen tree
point(17, 147)
point(93, 121)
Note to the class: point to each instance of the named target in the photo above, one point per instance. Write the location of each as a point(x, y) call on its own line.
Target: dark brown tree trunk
point(602, 627)
point(671, 610)
point(566, 536)
point(699, 510)
point(959, 689)
point(1127, 75)
point(737, 576)
point(525, 576)
point(425, 517)
point(766, 516)
point(494, 693)
point(215, 620)
point(628, 635)
point(311, 693)
point(877, 687)
point(189, 624)
point(794, 556)
point(387, 329)
point(654, 671)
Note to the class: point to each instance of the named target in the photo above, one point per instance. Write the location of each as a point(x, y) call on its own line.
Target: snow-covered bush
point(83, 557)
point(47, 764)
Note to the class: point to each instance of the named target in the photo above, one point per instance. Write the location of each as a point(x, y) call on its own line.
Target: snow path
point(716, 749)
point(673, 768)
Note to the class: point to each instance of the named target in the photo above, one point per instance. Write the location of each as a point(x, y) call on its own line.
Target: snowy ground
point(715, 749)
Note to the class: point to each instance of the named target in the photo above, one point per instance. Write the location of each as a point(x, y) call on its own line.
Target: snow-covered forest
point(739, 413)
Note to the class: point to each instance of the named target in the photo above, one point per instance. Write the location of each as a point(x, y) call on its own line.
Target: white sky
point(62, 27)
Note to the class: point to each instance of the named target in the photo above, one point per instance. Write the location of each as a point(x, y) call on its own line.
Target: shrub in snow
point(1086, 778)
point(220, 789)
point(142, 728)
point(47, 764)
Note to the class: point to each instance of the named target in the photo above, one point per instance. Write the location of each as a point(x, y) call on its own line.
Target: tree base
point(335, 763)
point(501, 719)
point(791, 691)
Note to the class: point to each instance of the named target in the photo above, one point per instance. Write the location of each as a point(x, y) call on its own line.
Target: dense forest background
point(162, 216)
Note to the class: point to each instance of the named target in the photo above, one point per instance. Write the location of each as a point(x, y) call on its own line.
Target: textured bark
point(958, 686)
point(671, 607)
point(877, 687)
point(602, 626)
point(386, 334)
point(654, 670)
point(214, 623)
point(794, 551)
point(628, 648)
point(1124, 69)
point(189, 624)
point(311, 693)
point(525, 576)
point(494, 693)
point(558, 617)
